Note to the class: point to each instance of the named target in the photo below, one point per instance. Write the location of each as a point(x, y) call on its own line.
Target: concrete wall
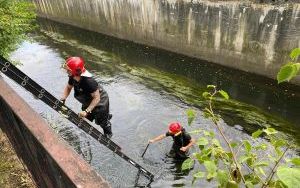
point(245, 35)
point(52, 163)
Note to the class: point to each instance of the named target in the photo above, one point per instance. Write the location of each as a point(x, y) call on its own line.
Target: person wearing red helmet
point(182, 140)
point(92, 96)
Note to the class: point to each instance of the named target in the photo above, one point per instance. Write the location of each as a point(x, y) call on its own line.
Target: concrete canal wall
point(250, 36)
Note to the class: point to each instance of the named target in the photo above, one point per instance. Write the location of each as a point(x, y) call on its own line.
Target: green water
point(255, 101)
point(148, 89)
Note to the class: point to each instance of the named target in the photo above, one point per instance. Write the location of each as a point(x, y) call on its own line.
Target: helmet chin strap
point(178, 133)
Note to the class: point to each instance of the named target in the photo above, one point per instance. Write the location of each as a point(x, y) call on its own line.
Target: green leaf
point(261, 171)
point(202, 141)
point(191, 116)
point(222, 177)
point(278, 152)
point(254, 179)
point(187, 164)
point(277, 184)
point(207, 115)
point(261, 163)
point(270, 131)
point(206, 95)
point(249, 184)
point(233, 144)
point(296, 161)
point(244, 158)
point(297, 67)
point(209, 133)
point(232, 184)
point(295, 53)
point(229, 154)
point(211, 169)
point(206, 110)
point(247, 146)
point(216, 142)
point(279, 143)
point(211, 86)
point(287, 72)
point(257, 133)
point(198, 156)
point(262, 146)
point(195, 131)
point(289, 176)
point(224, 94)
point(199, 175)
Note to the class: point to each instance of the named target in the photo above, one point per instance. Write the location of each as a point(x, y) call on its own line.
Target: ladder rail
point(27, 83)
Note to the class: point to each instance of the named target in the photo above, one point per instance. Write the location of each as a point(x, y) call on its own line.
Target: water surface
point(148, 89)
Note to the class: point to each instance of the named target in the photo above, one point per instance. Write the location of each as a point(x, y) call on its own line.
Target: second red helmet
point(75, 65)
point(175, 127)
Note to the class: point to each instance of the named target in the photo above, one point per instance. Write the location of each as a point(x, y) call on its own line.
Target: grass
point(12, 173)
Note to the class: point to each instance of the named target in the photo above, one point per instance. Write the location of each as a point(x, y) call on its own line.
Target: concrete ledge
point(50, 160)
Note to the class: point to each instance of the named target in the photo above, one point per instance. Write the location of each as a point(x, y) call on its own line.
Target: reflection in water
point(148, 89)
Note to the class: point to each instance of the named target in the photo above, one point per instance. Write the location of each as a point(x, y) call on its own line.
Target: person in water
point(92, 96)
point(182, 140)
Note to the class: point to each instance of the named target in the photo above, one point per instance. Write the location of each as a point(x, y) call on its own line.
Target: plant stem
point(269, 178)
point(253, 171)
point(225, 138)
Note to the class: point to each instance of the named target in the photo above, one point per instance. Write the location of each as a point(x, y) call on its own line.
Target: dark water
point(148, 89)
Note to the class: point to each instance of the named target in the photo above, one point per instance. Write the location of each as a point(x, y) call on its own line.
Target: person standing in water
point(182, 140)
point(92, 96)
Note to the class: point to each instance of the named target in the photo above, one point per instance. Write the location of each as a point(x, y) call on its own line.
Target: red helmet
point(175, 127)
point(75, 65)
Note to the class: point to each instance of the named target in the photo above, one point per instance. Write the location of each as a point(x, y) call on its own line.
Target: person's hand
point(183, 149)
point(150, 141)
point(63, 100)
point(82, 114)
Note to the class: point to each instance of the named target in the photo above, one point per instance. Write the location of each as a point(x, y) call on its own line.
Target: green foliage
point(296, 161)
point(191, 114)
point(243, 162)
point(16, 18)
point(288, 71)
point(289, 176)
point(291, 69)
point(295, 54)
point(187, 164)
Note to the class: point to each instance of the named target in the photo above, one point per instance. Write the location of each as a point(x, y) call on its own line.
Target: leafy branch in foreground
point(291, 69)
point(245, 163)
point(17, 17)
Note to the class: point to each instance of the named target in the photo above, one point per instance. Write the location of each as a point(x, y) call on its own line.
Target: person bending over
point(92, 96)
point(182, 140)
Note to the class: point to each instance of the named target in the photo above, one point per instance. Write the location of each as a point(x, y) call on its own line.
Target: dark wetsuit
point(181, 140)
point(82, 92)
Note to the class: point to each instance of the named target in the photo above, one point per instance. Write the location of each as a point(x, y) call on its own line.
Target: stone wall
point(249, 36)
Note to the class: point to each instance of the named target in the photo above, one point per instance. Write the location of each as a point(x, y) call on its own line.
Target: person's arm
point(96, 99)
point(185, 148)
point(67, 92)
point(158, 138)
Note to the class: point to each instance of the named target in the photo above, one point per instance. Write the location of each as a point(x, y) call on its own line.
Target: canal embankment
point(245, 35)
